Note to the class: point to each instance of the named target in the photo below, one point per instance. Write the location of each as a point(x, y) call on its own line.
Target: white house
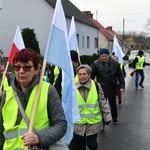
point(37, 15)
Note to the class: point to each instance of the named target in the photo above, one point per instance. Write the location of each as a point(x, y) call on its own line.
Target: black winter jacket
point(107, 75)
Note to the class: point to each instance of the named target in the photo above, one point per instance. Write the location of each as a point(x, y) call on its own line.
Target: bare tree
point(147, 25)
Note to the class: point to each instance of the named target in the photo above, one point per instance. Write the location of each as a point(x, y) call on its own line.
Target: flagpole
point(123, 35)
point(37, 98)
point(3, 76)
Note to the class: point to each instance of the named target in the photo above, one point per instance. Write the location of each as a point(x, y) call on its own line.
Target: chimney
point(109, 28)
point(88, 14)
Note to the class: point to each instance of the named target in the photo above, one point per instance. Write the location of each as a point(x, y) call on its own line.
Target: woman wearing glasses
point(49, 123)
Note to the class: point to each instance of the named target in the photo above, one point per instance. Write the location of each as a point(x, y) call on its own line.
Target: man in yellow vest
point(92, 108)
point(139, 64)
point(75, 63)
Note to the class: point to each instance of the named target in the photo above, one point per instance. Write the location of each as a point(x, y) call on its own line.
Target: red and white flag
point(17, 45)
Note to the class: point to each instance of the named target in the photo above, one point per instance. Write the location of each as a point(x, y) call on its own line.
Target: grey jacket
point(90, 129)
point(54, 110)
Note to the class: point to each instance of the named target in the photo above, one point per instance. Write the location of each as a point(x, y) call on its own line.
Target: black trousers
point(79, 142)
point(113, 107)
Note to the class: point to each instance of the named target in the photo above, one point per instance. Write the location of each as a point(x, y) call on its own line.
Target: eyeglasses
point(25, 68)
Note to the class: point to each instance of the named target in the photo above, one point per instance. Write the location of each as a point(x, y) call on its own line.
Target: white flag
point(58, 53)
point(117, 49)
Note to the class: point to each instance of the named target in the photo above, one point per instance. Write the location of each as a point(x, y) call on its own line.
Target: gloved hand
point(107, 123)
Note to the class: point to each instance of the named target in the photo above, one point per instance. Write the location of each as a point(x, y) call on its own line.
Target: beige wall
point(103, 41)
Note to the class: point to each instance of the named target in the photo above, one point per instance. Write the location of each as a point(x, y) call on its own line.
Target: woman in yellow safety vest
point(92, 108)
point(17, 104)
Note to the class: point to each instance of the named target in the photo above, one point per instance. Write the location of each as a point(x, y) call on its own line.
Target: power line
point(125, 14)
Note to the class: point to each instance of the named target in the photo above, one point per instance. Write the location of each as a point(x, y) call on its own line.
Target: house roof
point(71, 10)
point(120, 39)
point(103, 30)
point(108, 32)
point(114, 33)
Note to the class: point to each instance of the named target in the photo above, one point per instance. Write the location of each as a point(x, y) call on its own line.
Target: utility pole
point(96, 14)
point(123, 27)
point(123, 35)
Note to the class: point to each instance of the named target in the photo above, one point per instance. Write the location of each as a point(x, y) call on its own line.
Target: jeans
point(137, 73)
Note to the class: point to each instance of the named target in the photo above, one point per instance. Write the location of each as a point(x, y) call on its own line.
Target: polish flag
point(17, 45)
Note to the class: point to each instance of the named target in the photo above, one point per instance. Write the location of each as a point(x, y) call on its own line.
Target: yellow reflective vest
point(139, 64)
point(13, 132)
point(76, 79)
point(5, 83)
point(56, 73)
point(121, 66)
point(89, 110)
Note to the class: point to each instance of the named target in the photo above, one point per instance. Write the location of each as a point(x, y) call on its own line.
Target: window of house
point(82, 41)
point(95, 42)
point(88, 42)
point(78, 40)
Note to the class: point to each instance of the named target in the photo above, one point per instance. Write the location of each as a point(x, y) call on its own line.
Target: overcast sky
point(111, 13)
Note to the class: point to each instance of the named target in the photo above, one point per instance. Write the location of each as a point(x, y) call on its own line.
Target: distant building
point(106, 35)
point(37, 15)
point(121, 41)
point(105, 39)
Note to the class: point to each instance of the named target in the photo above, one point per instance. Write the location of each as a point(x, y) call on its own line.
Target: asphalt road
point(133, 129)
